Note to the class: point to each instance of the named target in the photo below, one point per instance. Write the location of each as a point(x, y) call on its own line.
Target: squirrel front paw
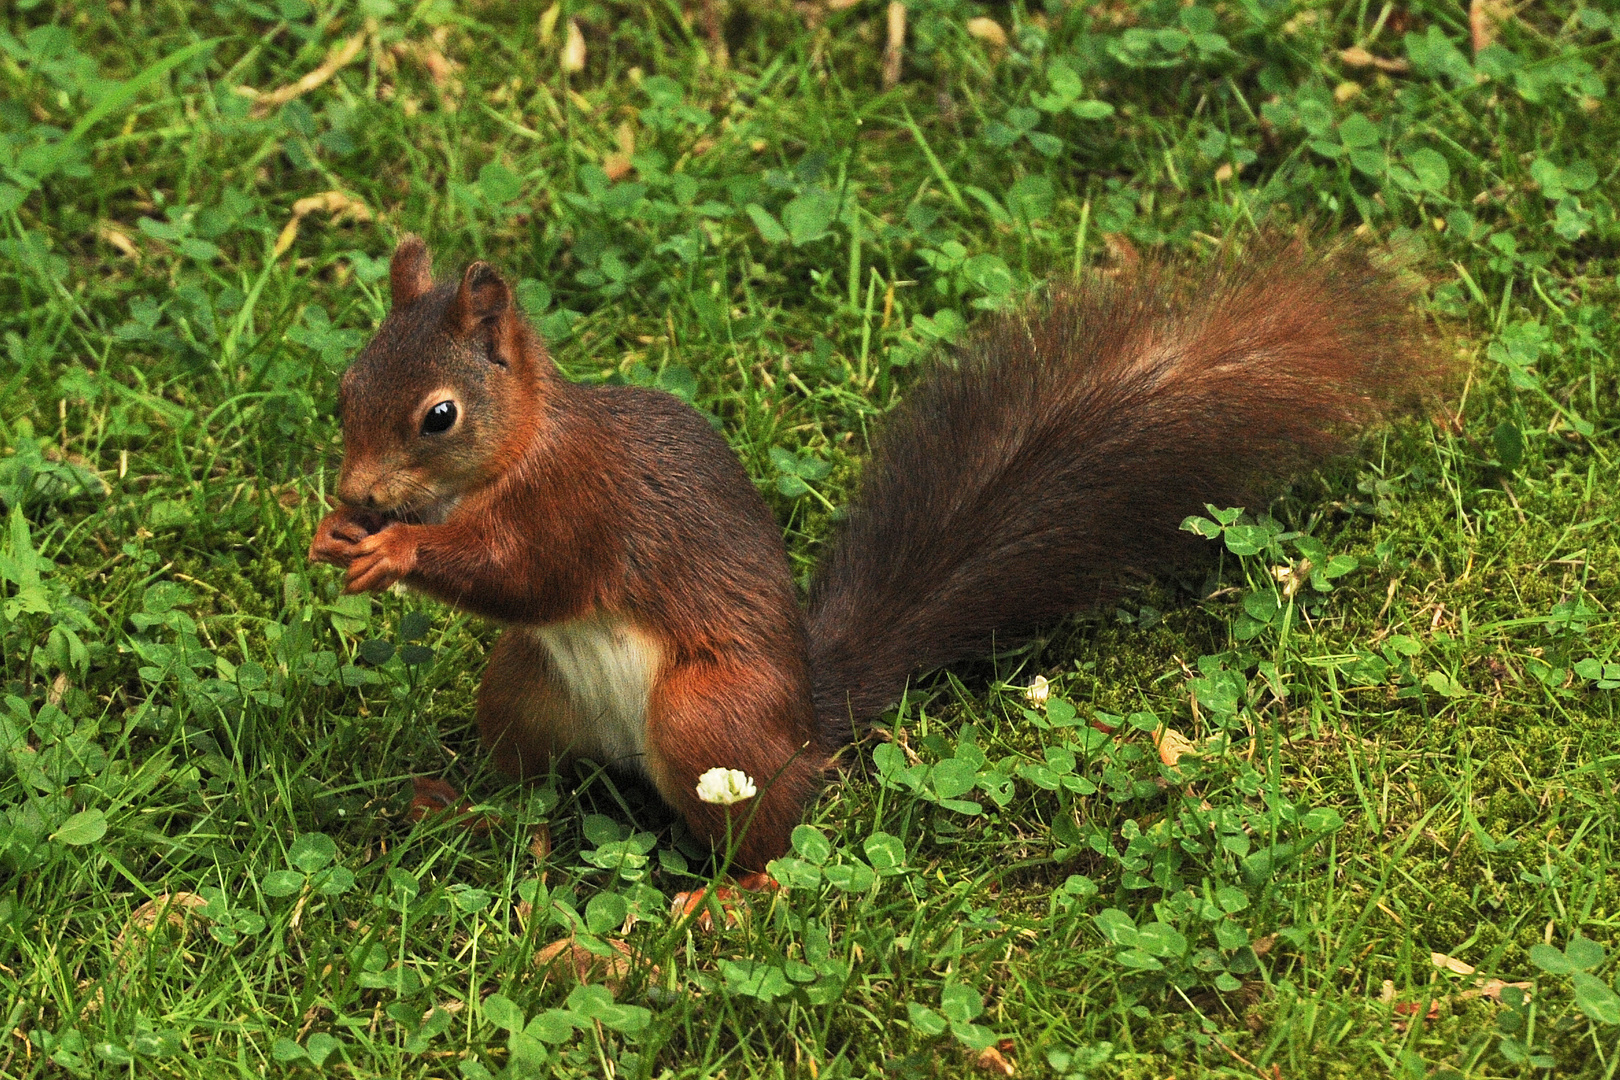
point(339, 534)
point(381, 559)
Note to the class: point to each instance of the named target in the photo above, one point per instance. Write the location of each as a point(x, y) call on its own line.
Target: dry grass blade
point(119, 239)
point(894, 50)
point(1492, 989)
point(335, 203)
point(573, 52)
point(1451, 964)
point(1357, 57)
point(340, 56)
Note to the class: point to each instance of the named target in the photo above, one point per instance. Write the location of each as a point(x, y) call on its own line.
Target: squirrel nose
point(356, 493)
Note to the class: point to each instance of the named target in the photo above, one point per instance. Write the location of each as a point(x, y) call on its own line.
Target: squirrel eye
point(439, 419)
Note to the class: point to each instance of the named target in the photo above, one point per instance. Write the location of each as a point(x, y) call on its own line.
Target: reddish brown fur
point(519, 710)
point(1079, 435)
point(1067, 444)
point(710, 712)
point(619, 501)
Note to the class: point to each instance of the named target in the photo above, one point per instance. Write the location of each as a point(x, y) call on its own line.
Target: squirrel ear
point(482, 297)
point(410, 273)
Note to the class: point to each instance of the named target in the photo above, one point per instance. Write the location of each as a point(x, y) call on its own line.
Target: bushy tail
point(1069, 442)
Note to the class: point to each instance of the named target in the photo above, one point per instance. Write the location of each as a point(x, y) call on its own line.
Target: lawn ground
point(1394, 847)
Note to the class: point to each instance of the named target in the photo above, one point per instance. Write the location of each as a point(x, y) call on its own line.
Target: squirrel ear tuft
point(410, 273)
point(482, 298)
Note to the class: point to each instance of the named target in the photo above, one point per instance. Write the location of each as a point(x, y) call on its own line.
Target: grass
point(1418, 758)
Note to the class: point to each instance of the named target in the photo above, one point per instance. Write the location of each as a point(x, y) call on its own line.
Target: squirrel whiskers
point(652, 619)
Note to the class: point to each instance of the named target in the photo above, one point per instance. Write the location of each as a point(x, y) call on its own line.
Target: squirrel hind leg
point(744, 716)
point(525, 717)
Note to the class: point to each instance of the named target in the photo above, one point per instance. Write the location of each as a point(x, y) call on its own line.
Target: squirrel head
point(445, 397)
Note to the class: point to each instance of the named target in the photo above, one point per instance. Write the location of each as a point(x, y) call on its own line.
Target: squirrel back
point(1070, 440)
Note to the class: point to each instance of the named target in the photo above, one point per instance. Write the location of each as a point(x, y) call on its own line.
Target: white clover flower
point(725, 786)
point(1038, 691)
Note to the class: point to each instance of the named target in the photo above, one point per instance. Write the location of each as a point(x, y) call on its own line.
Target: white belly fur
point(608, 667)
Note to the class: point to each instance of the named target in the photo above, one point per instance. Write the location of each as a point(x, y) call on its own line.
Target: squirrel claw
point(730, 900)
point(381, 559)
point(340, 532)
point(759, 881)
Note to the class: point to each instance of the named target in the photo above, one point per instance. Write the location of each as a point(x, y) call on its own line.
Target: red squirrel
point(652, 620)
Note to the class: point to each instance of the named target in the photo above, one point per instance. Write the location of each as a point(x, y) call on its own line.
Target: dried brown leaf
point(990, 1060)
point(173, 910)
point(1484, 16)
point(540, 842)
point(1405, 1011)
point(440, 68)
point(585, 966)
point(617, 165)
point(1172, 744)
point(988, 31)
